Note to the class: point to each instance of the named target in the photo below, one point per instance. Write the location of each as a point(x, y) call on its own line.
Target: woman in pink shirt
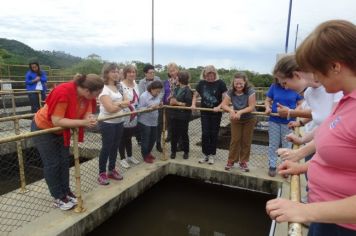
point(330, 53)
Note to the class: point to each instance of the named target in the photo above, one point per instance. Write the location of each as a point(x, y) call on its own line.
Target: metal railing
point(22, 178)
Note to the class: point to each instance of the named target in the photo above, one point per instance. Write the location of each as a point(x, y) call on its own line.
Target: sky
point(239, 34)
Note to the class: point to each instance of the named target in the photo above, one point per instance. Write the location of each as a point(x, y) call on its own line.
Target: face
point(329, 81)
point(114, 75)
point(239, 84)
point(91, 95)
point(150, 74)
point(131, 75)
point(155, 92)
point(34, 67)
point(173, 72)
point(210, 77)
point(295, 83)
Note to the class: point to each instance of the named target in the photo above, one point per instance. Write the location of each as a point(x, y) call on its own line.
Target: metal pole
point(153, 40)
point(20, 158)
point(296, 38)
point(288, 25)
point(79, 208)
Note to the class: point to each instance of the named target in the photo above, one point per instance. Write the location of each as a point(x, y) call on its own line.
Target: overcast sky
point(242, 34)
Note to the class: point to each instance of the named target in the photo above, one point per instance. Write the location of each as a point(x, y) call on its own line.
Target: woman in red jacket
point(69, 105)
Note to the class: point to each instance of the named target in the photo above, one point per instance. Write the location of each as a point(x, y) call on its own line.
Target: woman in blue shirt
point(36, 80)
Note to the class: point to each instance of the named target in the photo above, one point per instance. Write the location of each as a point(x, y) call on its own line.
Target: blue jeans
point(276, 134)
point(111, 134)
point(322, 229)
point(55, 159)
point(148, 138)
point(210, 125)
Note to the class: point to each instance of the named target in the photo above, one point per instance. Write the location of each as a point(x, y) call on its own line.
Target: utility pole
point(296, 38)
point(288, 25)
point(153, 39)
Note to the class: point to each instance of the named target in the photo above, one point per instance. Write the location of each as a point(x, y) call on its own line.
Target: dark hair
point(332, 41)
point(148, 67)
point(92, 82)
point(106, 70)
point(183, 77)
point(128, 69)
point(154, 85)
point(286, 66)
point(243, 76)
point(39, 73)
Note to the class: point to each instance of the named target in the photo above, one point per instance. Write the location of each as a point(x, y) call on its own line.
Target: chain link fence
point(24, 194)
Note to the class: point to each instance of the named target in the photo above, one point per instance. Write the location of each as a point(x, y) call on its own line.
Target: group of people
point(318, 84)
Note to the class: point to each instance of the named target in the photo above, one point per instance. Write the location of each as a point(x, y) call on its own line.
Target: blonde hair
point(209, 69)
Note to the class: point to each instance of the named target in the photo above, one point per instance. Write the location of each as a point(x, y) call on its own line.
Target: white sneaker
point(124, 164)
point(63, 204)
point(211, 159)
point(132, 160)
point(72, 198)
point(203, 159)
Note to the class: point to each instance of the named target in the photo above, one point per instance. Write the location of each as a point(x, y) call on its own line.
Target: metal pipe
point(288, 25)
point(79, 208)
point(163, 139)
point(153, 39)
point(20, 158)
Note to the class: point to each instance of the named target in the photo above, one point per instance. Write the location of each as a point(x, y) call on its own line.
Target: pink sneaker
point(229, 165)
point(103, 179)
point(115, 175)
point(244, 166)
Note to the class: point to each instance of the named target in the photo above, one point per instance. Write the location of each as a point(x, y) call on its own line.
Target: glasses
point(150, 72)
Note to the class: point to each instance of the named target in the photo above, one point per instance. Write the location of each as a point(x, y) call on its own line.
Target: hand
point(173, 101)
point(216, 109)
point(289, 167)
point(294, 139)
point(283, 210)
point(268, 109)
point(282, 110)
point(288, 154)
point(37, 79)
point(124, 104)
point(194, 107)
point(233, 115)
point(91, 121)
point(293, 124)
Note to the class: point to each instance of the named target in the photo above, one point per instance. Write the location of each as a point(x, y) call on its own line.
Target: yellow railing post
point(163, 139)
point(13, 102)
point(79, 208)
point(20, 158)
point(39, 98)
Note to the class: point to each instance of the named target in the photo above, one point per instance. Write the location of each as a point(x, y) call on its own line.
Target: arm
point(268, 105)
point(109, 105)
point(43, 77)
point(194, 100)
point(225, 105)
point(218, 108)
point(29, 80)
point(298, 154)
point(251, 105)
point(283, 112)
point(337, 212)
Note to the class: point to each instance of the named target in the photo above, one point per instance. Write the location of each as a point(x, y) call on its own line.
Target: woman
point(330, 53)
point(111, 103)
point(131, 94)
point(211, 90)
point(69, 105)
point(243, 100)
point(278, 96)
point(36, 80)
point(148, 121)
point(179, 119)
point(168, 86)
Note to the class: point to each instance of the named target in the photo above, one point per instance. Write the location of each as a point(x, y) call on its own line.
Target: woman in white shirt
point(111, 104)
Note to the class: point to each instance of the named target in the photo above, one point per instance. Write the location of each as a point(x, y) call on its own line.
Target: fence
point(24, 193)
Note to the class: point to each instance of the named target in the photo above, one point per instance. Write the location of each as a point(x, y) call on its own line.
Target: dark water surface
point(178, 206)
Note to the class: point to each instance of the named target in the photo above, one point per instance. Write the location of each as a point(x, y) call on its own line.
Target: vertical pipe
point(20, 158)
point(296, 38)
point(288, 25)
point(163, 136)
point(153, 41)
point(13, 103)
point(79, 208)
point(39, 98)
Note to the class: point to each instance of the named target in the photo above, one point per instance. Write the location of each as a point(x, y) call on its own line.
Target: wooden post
point(13, 103)
point(163, 136)
point(20, 158)
point(79, 208)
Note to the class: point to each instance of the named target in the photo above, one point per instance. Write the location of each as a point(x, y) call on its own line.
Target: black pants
point(210, 124)
point(179, 133)
point(126, 142)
